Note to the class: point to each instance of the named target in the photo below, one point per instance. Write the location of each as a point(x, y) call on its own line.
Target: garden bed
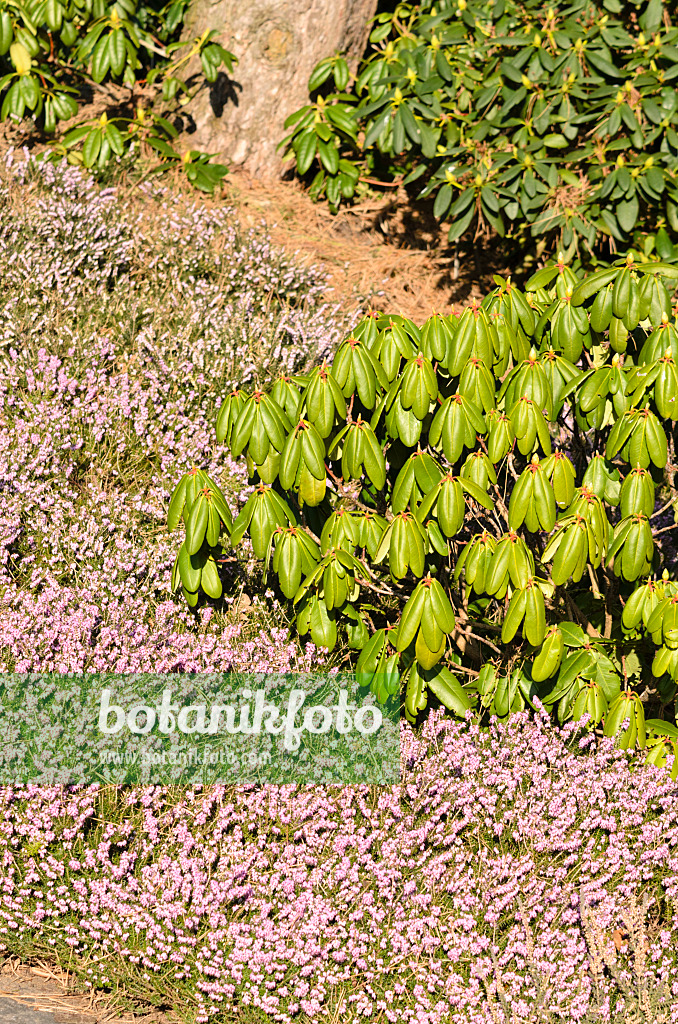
point(520, 874)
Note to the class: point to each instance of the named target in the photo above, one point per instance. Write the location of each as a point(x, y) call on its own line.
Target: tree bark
point(240, 118)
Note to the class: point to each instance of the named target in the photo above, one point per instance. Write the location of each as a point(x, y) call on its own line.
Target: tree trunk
point(277, 43)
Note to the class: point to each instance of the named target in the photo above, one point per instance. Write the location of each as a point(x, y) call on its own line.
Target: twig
point(382, 184)
point(674, 526)
point(462, 668)
point(377, 590)
point(154, 49)
point(481, 639)
point(594, 581)
point(510, 465)
point(663, 508)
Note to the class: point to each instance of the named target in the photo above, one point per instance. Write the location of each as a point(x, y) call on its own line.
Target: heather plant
point(58, 221)
point(553, 124)
point(51, 53)
point(475, 505)
point(113, 355)
point(516, 874)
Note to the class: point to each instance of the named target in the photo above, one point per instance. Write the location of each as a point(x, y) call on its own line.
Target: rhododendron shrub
point(553, 125)
point(475, 504)
point(53, 53)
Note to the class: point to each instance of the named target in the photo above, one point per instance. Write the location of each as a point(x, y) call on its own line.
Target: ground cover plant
point(121, 327)
point(514, 875)
point(553, 124)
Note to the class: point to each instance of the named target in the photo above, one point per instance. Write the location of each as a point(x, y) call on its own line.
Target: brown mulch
point(385, 252)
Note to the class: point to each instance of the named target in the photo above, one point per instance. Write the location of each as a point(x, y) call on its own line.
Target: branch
point(664, 508)
point(576, 613)
point(474, 636)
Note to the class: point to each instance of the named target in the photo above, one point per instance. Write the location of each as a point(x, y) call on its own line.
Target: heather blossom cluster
point(121, 329)
point(519, 874)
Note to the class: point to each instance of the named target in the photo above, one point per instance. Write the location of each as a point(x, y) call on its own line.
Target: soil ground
point(43, 995)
